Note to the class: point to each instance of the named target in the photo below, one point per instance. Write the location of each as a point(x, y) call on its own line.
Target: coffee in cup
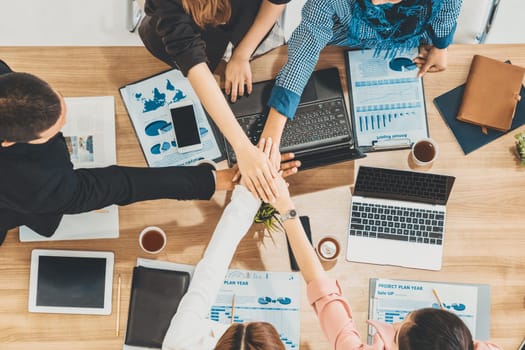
point(152, 239)
point(328, 248)
point(424, 152)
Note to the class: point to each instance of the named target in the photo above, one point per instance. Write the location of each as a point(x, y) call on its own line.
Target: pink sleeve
point(333, 311)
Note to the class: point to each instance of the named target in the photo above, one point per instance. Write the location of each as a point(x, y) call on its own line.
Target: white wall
point(509, 23)
point(64, 23)
point(104, 23)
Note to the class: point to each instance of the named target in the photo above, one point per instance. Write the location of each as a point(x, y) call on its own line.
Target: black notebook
point(468, 135)
point(155, 297)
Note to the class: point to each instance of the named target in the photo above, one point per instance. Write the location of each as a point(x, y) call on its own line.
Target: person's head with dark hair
point(425, 329)
point(429, 329)
point(31, 111)
point(250, 336)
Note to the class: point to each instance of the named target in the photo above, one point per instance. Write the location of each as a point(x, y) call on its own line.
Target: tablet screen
point(71, 281)
point(65, 281)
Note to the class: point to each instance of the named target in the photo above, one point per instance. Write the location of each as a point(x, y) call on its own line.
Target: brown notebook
point(491, 94)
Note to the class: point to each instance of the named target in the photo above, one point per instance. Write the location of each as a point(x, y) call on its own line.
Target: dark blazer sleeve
point(179, 33)
point(99, 187)
point(41, 203)
point(38, 185)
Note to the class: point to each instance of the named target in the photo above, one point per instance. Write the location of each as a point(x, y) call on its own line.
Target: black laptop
point(320, 133)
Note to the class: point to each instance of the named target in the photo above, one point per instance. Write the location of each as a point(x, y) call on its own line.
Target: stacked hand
point(266, 188)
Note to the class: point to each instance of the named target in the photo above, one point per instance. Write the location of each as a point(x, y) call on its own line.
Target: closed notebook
point(155, 297)
point(491, 94)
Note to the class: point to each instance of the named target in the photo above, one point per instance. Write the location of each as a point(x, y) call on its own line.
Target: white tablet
point(71, 282)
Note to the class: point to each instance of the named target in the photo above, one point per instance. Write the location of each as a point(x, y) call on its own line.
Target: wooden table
point(485, 221)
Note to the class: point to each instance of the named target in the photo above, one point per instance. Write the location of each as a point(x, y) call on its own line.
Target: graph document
point(250, 296)
point(387, 99)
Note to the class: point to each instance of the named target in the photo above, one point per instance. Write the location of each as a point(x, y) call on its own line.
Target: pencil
point(233, 308)
point(438, 298)
point(117, 326)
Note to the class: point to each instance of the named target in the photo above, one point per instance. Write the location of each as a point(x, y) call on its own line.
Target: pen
point(438, 298)
point(233, 308)
point(117, 326)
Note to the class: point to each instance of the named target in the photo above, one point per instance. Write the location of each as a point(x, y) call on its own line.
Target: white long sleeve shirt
point(190, 327)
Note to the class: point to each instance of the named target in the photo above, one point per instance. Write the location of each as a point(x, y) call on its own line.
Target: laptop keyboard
point(397, 223)
point(403, 185)
point(314, 125)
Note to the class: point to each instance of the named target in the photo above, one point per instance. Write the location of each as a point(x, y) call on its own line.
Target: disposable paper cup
point(328, 248)
point(152, 239)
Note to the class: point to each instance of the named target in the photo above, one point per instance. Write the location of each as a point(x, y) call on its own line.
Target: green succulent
point(520, 146)
point(269, 217)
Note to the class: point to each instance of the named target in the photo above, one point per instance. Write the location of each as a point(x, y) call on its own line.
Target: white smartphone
point(185, 126)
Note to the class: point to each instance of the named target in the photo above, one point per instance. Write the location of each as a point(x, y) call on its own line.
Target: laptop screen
point(403, 185)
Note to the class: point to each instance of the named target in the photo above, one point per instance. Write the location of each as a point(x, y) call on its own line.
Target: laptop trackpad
point(387, 252)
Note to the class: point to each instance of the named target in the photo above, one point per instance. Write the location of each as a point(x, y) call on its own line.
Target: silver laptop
point(397, 218)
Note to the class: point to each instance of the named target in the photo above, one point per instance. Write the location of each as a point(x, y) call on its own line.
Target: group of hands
point(262, 166)
point(267, 180)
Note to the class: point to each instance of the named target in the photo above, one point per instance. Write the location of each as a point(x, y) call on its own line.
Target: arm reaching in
point(324, 293)
point(189, 328)
point(307, 259)
point(253, 164)
point(238, 72)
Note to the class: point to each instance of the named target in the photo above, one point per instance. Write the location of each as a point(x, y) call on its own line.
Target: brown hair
point(250, 336)
point(208, 12)
point(28, 107)
point(435, 329)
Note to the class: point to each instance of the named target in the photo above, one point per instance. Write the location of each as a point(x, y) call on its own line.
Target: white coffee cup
point(152, 239)
point(328, 248)
point(424, 152)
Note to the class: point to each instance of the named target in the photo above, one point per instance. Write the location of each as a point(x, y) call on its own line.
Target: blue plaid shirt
point(331, 22)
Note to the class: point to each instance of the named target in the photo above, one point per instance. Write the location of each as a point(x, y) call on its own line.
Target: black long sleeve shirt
point(38, 185)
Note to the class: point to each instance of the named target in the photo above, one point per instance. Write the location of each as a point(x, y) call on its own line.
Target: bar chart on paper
point(387, 98)
point(389, 105)
point(251, 296)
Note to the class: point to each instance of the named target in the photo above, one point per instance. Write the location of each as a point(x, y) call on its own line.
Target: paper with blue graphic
point(265, 296)
point(272, 297)
point(148, 101)
point(387, 99)
point(392, 300)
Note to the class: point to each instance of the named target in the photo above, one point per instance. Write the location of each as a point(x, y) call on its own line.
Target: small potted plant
point(520, 146)
point(269, 217)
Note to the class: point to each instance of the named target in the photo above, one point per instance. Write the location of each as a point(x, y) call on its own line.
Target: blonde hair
point(250, 336)
point(208, 12)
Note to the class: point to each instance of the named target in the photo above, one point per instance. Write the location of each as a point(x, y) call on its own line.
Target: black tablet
point(71, 282)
